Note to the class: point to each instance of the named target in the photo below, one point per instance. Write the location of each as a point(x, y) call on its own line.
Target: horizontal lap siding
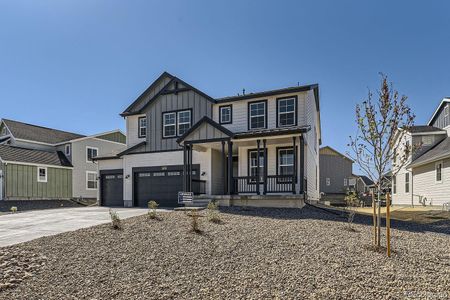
point(426, 185)
point(240, 112)
point(336, 168)
point(312, 148)
point(21, 182)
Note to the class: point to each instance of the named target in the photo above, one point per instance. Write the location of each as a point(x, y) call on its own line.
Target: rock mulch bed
point(255, 254)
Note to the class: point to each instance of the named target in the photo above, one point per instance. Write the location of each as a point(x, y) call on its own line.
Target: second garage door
point(160, 184)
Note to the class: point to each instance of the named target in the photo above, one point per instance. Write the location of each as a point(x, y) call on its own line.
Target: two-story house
point(336, 171)
point(44, 163)
point(235, 149)
point(425, 178)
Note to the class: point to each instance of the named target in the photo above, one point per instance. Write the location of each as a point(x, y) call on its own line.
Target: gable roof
point(367, 181)
point(438, 152)
point(207, 120)
point(32, 156)
point(134, 108)
point(435, 114)
point(35, 133)
point(333, 150)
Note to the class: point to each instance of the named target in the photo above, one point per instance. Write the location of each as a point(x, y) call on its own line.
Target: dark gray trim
point(265, 113)
point(295, 111)
point(155, 151)
point(206, 141)
point(200, 122)
point(270, 133)
point(126, 151)
point(231, 114)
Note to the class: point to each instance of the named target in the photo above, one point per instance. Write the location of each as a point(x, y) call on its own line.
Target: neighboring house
point(181, 139)
point(425, 178)
point(43, 163)
point(362, 184)
point(335, 171)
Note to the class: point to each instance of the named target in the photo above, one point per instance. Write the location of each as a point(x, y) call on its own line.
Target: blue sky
point(75, 65)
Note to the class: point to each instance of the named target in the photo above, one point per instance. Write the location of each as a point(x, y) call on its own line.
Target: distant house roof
point(439, 151)
point(24, 131)
point(39, 157)
point(323, 151)
point(435, 114)
point(423, 129)
point(367, 181)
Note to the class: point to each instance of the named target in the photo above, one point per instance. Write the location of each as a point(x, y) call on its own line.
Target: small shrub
point(352, 201)
point(195, 222)
point(213, 212)
point(13, 209)
point(116, 222)
point(152, 206)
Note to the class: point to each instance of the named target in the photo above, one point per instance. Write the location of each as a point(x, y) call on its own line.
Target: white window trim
point(87, 180)
point(221, 114)
point(255, 116)
point(67, 149)
point(183, 123)
point(165, 125)
point(46, 174)
point(435, 171)
point(327, 181)
point(288, 112)
point(140, 127)
point(93, 148)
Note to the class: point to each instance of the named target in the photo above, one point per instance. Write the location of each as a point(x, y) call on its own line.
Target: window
point(345, 182)
point(286, 111)
point(285, 163)
point(184, 121)
point(427, 140)
point(67, 149)
point(439, 172)
point(328, 181)
point(225, 114)
point(169, 125)
point(91, 180)
point(142, 127)
point(257, 115)
point(406, 182)
point(91, 152)
point(42, 174)
point(176, 123)
point(394, 184)
point(253, 164)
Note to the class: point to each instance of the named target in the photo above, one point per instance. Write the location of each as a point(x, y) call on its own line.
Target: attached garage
point(111, 191)
point(160, 184)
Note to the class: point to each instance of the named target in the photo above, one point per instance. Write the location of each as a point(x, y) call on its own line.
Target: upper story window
point(257, 115)
point(42, 174)
point(439, 172)
point(142, 127)
point(67, 149)
point(184, 121)
point(225, 114)
point(91, 152)
point(176, 123)
point(287, 111)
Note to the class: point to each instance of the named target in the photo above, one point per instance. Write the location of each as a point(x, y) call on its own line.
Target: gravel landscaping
point(24, 205)
point(250, 254)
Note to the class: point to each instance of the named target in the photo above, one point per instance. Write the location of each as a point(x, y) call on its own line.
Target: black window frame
point(139, 127)
point(279, 180)
point(231, 114)
point(295, 111)
point(249, 111)
point(249, 167)
point(176, 112)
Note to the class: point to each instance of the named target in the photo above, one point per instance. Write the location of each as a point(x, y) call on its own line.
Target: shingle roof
point(292, 89)
point(17, 154)
point(38, 133)
point(423, 128)
point(438, 152)
point(366, 180)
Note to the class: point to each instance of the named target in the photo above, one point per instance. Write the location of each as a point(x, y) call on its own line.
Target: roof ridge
point(273, 90)
point(43, 127)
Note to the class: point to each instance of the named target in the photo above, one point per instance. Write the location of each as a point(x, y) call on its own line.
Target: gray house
point(44, 163)
point(258, 149)
point(335, 171)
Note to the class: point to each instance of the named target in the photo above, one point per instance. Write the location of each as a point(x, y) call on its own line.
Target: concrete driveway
point(30, 225)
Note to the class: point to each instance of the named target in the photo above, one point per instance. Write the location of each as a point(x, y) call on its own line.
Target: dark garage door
point(112, 189)
point(160, 184)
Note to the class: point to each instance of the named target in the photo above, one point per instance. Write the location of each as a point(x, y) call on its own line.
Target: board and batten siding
point(21, 183)
point(441, 121)
point(240, 111)
point(199, 105)
point(425, 183)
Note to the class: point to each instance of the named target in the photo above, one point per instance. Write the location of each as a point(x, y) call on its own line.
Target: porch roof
point(271, 132)
point(205, 130)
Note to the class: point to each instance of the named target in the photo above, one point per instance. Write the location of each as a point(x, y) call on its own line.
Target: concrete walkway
point(30, 225)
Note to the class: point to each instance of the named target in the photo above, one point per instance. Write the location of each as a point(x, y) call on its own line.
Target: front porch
point(248, 164)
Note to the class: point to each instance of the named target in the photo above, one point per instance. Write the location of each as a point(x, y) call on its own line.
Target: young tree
point(375, 147)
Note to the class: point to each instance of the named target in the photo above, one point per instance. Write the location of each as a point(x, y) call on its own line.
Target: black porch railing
point(198, 186)
point(274, 184)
